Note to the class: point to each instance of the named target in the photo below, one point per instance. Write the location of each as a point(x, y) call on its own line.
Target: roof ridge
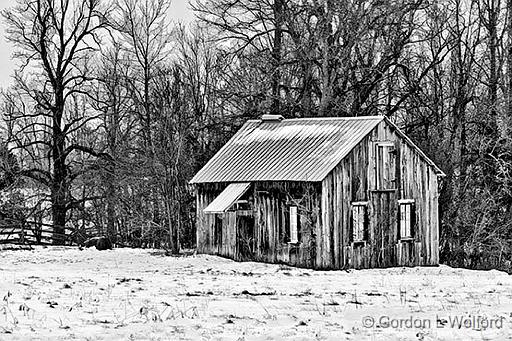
point(331, 118)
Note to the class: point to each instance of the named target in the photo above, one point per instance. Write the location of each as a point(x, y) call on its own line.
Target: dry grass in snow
point(61, 293)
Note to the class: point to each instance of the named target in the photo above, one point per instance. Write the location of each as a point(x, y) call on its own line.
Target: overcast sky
point(179, 11)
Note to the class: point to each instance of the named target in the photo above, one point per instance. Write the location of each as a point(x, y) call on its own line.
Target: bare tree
point(509, 58)
point(118, 130)
point(54, 41)
point(145, 40)
point(251, 29)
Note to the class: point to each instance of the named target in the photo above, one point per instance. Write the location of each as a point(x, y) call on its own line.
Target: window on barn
point(407, 211)
point(359, 221)
point(385, 166)
point(294, 224)
point(242, 205)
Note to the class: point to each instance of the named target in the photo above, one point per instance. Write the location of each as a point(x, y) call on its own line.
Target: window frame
point(239, 205)
point(406, 219)
point(385, 144)
point(293, 224)
point(362, 228)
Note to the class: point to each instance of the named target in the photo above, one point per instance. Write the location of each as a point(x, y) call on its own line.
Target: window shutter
point(413, 220)
point(358, 222)
point(351, 226)
point(398, 170)
point(386, 163)
point(294, 226)
point(401, 221)
point(392, 167)
point(407, 215)
point(299, 232)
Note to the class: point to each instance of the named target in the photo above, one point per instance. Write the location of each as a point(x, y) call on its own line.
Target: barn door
point(217, 232)
point(384, 228)
point(245, 236)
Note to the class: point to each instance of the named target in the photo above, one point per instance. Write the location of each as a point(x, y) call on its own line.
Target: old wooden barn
point(324, 193)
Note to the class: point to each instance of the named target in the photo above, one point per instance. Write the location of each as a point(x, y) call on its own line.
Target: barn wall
point(347, 183)
point(209, 240)
point(325, 215)
point(267, 239)
point(354, 179)
point(272, 200)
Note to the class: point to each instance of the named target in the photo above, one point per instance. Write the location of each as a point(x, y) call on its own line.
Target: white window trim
point(294, 226)
point(377, 169)
point(358, 223)
point(406, 225)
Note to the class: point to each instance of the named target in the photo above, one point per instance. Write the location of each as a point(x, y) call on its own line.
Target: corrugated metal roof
point(305, 149)
point(227, 197)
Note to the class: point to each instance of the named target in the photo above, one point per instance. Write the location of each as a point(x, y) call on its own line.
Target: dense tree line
point(114, 108)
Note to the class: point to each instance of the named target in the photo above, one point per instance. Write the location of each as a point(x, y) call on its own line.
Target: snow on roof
point(304, 149)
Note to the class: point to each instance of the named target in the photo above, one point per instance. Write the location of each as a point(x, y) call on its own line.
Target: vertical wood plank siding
point(325, 214)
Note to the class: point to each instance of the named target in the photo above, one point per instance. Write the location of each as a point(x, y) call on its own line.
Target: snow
point(289, 131)
point(63, 293)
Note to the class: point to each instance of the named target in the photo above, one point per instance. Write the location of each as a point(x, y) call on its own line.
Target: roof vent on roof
point(272, 118)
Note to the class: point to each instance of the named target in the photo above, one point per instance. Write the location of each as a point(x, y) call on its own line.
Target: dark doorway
point(245, 237)
point(217, 237)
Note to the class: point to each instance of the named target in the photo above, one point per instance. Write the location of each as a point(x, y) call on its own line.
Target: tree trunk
point(493, 70)
point(509, 64)
point(325, 45)
point(111, 212)
point(276, 54)
point(59, 188)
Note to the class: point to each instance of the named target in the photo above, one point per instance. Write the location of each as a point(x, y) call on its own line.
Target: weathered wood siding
point(354, 179)
point(272, 200)
point(267, 240)
point(325, 211)
point(205, 223)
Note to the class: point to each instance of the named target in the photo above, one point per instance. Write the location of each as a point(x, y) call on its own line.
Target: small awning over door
point(227, 198)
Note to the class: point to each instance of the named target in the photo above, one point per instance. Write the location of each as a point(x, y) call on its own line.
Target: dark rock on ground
point(101, 243)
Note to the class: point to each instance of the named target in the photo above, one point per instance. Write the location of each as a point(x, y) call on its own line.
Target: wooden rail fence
point(36, 233)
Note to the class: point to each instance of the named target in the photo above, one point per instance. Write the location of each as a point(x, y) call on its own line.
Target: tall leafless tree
point(54, 42)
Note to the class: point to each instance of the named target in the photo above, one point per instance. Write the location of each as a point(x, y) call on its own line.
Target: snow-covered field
point(61, 293)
